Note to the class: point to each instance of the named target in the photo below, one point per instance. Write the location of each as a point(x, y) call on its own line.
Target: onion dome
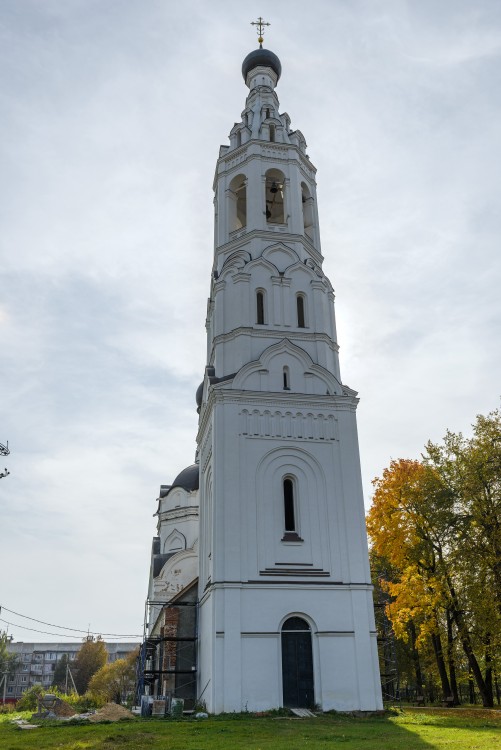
point(188, 479)
point(263, 57)
point(199, 394)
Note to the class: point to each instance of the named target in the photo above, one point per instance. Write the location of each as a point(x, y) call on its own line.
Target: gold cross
point(260, 30)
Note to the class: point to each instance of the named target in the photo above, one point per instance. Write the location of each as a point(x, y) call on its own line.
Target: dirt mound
point(62, 708)
point(111, 712)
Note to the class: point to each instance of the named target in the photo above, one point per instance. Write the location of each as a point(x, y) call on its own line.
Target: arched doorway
point(297, 664)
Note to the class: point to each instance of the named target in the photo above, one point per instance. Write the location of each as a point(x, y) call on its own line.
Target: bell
point(274, 187)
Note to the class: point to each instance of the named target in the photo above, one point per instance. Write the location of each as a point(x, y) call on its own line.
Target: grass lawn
point(410, 729)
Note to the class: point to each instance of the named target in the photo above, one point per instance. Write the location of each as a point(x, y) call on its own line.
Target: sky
point(112, 113)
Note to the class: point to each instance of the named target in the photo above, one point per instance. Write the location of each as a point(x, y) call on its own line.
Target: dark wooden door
point(297, 665)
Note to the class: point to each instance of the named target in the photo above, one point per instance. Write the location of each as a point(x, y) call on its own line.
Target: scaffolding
point(167, 663)
point(387, 652)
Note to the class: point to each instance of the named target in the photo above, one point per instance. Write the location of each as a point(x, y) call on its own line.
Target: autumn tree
point(115, 681)
point(91, 657)
point(437, 523)
point(470, 469)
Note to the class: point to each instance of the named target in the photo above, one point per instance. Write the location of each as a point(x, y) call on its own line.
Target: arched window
point(301, 318)
point(275, 197)
point(260, 317)
point(289, 510)
point(286, 379)
point(237, 203)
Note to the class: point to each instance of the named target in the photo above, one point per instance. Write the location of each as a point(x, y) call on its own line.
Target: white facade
point(282, 529)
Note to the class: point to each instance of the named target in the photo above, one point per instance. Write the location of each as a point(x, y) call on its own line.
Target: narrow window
point(239, 138)
point(267, 113)
point(290, 523)
point(286, 378)
point(260, 308)
point(272, 133)
point(300, 311)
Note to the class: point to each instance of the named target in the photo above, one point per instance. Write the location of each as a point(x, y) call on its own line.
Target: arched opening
point(275, 197)
point(260, 308)
point(301, 318)
point(237, 203)
point(289, 511)
point(297, 664)
point(308, 214)
point(286, 378)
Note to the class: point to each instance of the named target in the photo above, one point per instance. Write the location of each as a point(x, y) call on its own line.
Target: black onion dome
point(263, 57)
point(187, 479)
point(199, 394)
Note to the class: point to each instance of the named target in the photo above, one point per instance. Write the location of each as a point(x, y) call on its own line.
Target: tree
point(91, 657)
point(60, 673)
point(438, 525)
point(115, 681)
point(8, 662)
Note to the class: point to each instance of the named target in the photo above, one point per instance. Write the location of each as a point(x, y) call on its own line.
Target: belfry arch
point(308, 212)
point(237, 203)
point(275, 196)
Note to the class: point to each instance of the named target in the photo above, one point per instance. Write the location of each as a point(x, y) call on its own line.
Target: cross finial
point(260, 23)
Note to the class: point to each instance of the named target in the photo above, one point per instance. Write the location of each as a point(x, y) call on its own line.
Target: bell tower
point(286, 615)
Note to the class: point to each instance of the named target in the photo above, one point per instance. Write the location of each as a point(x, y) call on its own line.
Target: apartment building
point(37, 663)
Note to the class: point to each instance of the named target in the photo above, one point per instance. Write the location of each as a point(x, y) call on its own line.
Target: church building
point(260, 593)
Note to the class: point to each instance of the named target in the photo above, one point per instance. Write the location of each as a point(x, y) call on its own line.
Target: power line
point(46, 632)
point(62, 627)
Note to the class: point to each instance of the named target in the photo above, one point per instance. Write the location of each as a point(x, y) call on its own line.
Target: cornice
point(292, 334)
point(175, 513)
point(236, 155)
point(220, 393)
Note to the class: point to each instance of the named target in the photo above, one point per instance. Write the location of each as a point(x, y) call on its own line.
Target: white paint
point(253, 432)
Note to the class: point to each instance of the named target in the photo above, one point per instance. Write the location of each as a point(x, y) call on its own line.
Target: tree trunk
point(488, 670)
point(450, 660)
point(465, 639)
point(471, 686)
point(415, 660)
point(437, 648)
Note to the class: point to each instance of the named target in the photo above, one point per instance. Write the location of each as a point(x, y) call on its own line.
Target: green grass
point(411, 729)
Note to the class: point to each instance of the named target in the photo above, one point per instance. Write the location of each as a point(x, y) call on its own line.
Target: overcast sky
point(111, 116)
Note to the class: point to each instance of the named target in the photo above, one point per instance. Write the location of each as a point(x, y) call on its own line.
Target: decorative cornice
point(170, 515)
point(300, 334)
point(220, 393)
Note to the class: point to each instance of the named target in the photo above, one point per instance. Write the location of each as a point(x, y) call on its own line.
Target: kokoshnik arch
point(267, 528)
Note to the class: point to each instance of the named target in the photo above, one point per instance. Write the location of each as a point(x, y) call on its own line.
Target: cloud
point(113, 116)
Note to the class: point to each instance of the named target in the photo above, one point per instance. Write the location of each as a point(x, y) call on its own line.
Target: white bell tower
point(286, 614)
